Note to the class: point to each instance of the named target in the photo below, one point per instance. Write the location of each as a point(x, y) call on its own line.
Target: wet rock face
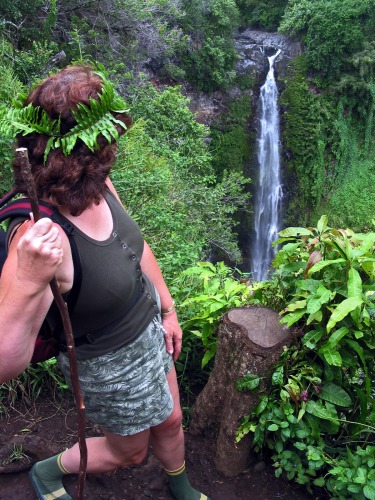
point(254, 47)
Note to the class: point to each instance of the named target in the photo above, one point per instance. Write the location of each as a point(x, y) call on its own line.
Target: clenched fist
point(39, 252)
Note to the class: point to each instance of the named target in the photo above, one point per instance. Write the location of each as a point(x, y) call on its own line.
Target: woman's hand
point(173, 335)
point(39, 252)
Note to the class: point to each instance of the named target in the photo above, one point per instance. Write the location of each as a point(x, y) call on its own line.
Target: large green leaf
point(310, 285)
point(369, 267)
point(209, 354)
point(299, 304)
point(355, 290)
point(354, 283)
point(324, 263)
point(310, 339)
point(366, 245)
point(315, 317)
point(369, 490)
point(318, 410)
point(336, 336)
point(331, 355)
point(336, 395)
point(323, 295)
point(291, 318)
point(342, 310)
point(322, 223)
point(295, 231)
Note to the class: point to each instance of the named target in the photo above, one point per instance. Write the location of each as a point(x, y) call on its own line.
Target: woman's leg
point(167, 438)
point(105, 454)
point(168, 444)
point(108, 453)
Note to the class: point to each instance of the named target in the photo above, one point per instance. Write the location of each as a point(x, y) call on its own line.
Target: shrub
point(318, 417)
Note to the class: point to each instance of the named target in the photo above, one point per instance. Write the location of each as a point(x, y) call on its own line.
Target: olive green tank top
point(117, 300)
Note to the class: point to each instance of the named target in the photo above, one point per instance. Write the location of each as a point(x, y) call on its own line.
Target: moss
point(303, 145)
point(230, 140)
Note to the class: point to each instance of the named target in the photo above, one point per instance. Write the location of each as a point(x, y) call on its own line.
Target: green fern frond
point(92, 119)
point(28, 120)
point(19, 101)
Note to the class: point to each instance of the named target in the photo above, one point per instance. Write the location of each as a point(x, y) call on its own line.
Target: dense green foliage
point(209, 60)
point(208, 292)
point(304, 141)
point(328, 113)
point(332, 31)
point(165, 177)
point(230, 140)
point(204, 293)
point(318, 415)
point(179, 39)
point(264, 14)
point(329, 154)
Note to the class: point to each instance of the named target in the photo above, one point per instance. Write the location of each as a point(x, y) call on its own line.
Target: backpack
point(46, 345)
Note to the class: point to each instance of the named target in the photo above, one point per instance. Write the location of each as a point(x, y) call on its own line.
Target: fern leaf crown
point(92, 120)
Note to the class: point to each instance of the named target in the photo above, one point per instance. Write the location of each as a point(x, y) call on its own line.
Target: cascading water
point(268, 192)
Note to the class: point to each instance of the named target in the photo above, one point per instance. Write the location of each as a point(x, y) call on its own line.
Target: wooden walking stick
point(23, 161)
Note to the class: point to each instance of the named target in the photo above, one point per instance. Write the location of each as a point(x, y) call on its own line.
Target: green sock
point(46, 478)
point(180, 486)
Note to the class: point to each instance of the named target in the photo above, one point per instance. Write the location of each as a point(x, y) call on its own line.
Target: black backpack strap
point(3, 251)
point(69, 229)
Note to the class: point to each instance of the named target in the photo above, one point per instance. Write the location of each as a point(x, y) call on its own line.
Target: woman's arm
point(34, 257)
point(173, 337)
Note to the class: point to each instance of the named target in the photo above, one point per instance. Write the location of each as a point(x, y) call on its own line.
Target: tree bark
point(250, 340)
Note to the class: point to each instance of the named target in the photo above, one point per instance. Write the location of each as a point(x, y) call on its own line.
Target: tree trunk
point(250, 340)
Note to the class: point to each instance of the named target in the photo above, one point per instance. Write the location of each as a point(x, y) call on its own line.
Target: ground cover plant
point(318, 417)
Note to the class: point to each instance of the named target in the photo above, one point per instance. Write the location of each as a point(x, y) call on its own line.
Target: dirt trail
point(50, 426)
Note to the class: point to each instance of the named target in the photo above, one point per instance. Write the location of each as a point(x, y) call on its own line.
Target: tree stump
point(250, 340)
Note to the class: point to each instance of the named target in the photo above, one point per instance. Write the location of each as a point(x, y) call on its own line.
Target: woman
point(125, 347)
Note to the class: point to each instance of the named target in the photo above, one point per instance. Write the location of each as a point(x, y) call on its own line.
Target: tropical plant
point(207, 292)
point(320, 409)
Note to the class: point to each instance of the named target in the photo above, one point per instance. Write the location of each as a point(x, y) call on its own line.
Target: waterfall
point(268, 193)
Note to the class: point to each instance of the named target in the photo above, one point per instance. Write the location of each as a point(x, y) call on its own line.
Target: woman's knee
point(175, 419)
point(131, 457)
point(135, 458)
point(125, 451)
point(171, 425)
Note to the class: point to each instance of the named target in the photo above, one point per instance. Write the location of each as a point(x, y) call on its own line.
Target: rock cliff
point(253, 48)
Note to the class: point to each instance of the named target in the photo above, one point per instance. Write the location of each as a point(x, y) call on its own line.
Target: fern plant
point(27, 120)
point(92, 120)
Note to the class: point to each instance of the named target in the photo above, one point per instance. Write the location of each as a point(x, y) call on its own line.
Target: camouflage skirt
point(126, 391)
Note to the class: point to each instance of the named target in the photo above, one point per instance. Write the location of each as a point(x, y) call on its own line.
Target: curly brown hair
point(76, 181)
